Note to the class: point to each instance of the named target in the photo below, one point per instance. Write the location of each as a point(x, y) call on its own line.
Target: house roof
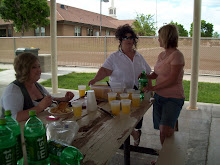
point(76, 15)
point(2, 22)
point(73, 14)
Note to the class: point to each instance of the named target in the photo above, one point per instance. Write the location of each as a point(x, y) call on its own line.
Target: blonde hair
point(22, 66)
point(168, 35)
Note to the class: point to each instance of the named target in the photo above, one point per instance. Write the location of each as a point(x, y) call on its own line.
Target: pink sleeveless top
point(163, 68)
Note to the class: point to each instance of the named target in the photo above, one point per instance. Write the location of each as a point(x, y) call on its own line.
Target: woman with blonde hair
point(169, 92)
point(25, 94)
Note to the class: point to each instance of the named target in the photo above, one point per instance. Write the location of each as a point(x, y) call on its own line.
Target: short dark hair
point(22, 66)
point(121, 31)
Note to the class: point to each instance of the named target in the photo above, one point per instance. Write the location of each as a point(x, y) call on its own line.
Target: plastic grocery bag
point(62, 131)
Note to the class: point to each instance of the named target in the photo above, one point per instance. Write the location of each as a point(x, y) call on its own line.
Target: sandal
point(137, 141)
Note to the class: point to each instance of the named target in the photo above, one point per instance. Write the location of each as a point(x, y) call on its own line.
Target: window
point(97, 33)
point(77, 31)
point(42, 31)
point(110, 11)
point(107, 33)
point(37, 31)
point(89, 32)
point(2, 32)
point(9, 32)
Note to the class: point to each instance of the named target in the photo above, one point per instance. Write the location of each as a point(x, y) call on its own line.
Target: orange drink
point(135, 100)
point(130, 91)
point(115, 107)
point(111, 96)
point(82, 90)
point(126, 106)
point(124, 96)
point(77, 108)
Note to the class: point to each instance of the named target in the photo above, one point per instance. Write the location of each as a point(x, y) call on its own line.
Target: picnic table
point(100, 135)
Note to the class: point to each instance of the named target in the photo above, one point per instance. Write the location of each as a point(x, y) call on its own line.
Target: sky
point(163, 11)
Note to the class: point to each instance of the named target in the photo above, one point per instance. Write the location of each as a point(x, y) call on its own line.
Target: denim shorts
point(166, 111)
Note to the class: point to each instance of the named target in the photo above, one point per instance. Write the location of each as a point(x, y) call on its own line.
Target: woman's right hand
point(91, 82)
point(45, 102)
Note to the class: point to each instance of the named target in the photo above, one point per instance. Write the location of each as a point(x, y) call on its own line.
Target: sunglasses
point(126, 38)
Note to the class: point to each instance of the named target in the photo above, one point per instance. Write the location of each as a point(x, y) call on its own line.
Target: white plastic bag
point(62, 131)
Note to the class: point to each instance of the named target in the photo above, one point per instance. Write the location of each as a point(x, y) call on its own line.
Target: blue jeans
point(166, 111)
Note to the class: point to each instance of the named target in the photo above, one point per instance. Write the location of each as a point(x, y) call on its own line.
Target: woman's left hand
point(69, 96)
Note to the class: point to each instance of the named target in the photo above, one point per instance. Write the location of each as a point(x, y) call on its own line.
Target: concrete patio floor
point(201, 126)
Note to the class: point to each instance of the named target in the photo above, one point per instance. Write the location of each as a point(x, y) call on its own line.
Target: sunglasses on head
point(126, 38)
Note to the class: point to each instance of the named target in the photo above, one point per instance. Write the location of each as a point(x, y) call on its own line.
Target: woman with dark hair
point(25, 94)
point(124, 66)
point(169, 92)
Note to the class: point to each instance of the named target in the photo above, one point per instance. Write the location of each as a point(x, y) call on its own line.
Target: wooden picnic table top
point(100, 135)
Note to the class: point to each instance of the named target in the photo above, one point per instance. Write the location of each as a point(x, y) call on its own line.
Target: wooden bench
point(174, 150)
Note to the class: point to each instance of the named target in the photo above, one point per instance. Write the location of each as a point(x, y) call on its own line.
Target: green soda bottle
point(15, 127)
point(142, 82)
point(63, 154)
point(7, 144)
point(36, 141)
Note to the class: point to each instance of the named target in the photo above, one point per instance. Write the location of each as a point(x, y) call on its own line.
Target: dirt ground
point(91, 51)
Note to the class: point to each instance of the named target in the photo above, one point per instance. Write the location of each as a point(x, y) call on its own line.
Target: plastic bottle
point(7, 144)
point(63, 154)
point(36, 141)
point(15, 127)
point(142, 82)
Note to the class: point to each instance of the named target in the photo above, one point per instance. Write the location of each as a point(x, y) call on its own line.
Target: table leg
point(127, 151)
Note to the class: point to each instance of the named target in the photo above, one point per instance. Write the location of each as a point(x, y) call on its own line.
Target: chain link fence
point(92, 51)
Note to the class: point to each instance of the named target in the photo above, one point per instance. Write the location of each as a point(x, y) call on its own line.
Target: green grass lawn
point(2, 69)
point(207, 92)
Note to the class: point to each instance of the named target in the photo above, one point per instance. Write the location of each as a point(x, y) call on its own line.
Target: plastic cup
point(111, 96)
point(124, 96)
point(130, 91)
point(115, 107)
point(126, 106)
point(82, 90)
point(137, 91)
point(135, 100)
point(77, 108)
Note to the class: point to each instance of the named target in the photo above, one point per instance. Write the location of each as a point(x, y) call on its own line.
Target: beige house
point(71, 21)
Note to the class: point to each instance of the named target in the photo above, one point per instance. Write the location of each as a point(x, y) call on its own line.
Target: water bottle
point(142, 82)
point(36, 141)
point(63, 154)
point(15, 127)
point(7, 144)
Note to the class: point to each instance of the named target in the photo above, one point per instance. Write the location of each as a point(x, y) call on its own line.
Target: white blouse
point(124, 70)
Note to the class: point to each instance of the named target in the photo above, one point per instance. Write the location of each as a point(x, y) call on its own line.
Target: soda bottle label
point(36, 148)
point(55, 149)
point(7, 156)
point(19, 153)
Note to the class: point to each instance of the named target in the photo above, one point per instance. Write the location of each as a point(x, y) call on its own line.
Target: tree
point(206, 29)
point(25, 14)
point(144, 25)
point(216, 35)
point(181, 30)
